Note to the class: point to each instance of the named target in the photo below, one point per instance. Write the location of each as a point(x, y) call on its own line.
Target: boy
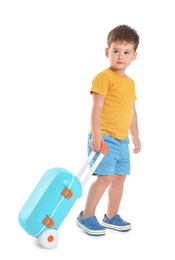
point(113, 117)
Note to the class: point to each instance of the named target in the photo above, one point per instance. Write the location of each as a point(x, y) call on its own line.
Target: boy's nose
point(120, 56)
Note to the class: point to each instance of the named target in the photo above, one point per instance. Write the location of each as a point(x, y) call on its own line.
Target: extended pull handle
point(104, 150)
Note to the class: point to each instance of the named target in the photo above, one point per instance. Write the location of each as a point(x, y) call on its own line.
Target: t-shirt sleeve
point(100, 84)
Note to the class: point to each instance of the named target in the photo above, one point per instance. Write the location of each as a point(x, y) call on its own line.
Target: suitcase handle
point(104, 150)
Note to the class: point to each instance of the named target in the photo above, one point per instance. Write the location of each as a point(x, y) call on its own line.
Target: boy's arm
point(97, 106)
point(135, 132)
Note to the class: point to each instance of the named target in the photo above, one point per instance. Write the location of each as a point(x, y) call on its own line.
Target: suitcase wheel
point(49, 238)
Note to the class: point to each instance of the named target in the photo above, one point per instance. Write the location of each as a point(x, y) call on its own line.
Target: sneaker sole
point(91, 232)
point(118, 228)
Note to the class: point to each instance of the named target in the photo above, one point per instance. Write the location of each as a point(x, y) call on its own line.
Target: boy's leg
point(112, 219)
point(87, 220)
point(95, 193)
point(115, 193)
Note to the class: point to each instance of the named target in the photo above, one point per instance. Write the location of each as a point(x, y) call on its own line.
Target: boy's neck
point(119, 72)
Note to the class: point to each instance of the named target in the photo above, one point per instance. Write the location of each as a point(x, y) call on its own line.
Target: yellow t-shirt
point(119, 93)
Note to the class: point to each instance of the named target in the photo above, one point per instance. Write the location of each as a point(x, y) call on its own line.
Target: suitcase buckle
point(48, 221)
point(67, 193)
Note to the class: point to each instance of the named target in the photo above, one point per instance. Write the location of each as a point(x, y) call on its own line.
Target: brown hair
point(123, 33)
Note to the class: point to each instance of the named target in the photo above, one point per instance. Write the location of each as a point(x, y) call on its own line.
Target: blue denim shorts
point(116, 160)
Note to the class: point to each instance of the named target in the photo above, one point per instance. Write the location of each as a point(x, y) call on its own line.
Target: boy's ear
point(134, 56)
point(107, 52)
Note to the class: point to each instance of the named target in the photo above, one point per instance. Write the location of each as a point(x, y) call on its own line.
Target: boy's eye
point(126, 52)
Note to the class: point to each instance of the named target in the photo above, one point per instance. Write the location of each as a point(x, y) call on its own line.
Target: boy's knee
point(120, 178)
point(107, 180)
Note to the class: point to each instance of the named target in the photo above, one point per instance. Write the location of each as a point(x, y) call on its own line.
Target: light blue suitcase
point(51, 200)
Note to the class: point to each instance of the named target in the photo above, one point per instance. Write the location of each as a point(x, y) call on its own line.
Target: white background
point(49, 53)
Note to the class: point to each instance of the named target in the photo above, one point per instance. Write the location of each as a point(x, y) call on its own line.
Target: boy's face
point(120, 55)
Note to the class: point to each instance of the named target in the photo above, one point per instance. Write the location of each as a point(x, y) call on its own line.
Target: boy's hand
point(96, 141)
point(137, 145)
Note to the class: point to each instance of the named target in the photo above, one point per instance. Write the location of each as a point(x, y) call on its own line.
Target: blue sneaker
point(91, 226)
point(116, 223)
